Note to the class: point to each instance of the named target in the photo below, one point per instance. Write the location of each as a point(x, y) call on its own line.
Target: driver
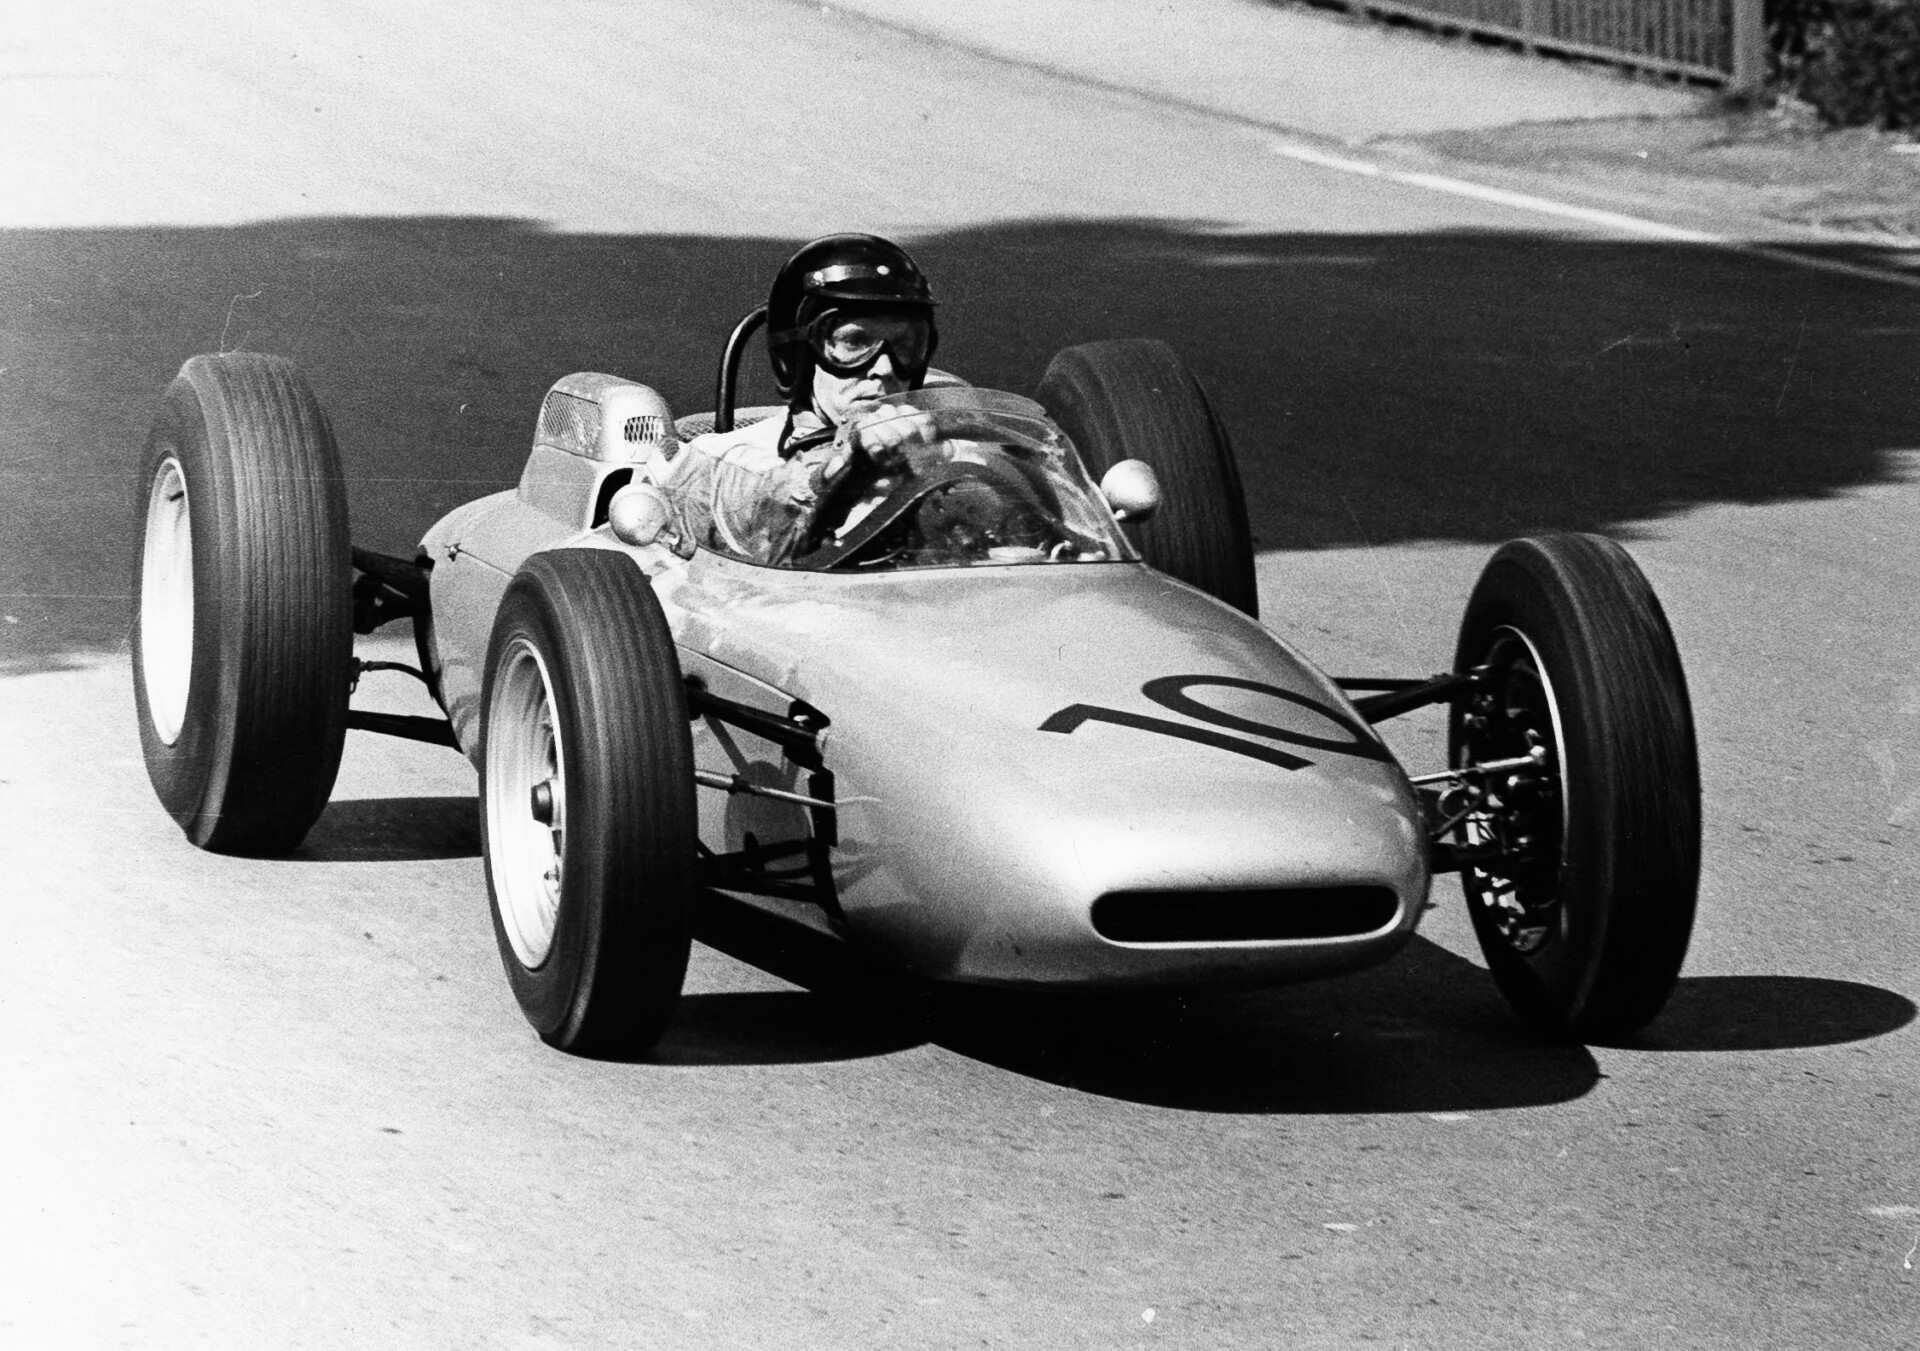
point(849, 321)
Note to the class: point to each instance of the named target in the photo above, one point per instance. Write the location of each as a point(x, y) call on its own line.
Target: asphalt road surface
point(290, 1102)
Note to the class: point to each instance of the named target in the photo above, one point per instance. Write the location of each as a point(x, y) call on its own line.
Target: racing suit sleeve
point(743, 499)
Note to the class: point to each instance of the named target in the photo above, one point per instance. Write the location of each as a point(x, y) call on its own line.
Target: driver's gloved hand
point(886, 436)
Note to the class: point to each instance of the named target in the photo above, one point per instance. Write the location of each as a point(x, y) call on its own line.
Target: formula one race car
point(1014, 724)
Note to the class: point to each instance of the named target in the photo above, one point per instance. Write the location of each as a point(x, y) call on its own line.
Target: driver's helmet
point(856, 274)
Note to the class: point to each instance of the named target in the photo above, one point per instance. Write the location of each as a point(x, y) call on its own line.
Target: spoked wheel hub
point(1514, 823)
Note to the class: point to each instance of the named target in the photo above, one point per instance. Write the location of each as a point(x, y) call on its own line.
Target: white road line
point(1521, 201)
point(1819, 264)
point(1586, 215)
point(1310, 156)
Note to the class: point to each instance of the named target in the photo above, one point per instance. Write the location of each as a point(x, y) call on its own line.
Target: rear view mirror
point(639, 514)
point(1132, 489)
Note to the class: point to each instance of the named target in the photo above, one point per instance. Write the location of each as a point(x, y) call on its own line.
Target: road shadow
point(847, 1009)
point(1771, 1013)
point(799, 954)
point(1381, 389)
point(1424, 1032)
point(778, 1027)
point(393, 830)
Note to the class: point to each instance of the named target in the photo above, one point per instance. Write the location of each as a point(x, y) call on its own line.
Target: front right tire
point(587, 802)
point(1586, 913)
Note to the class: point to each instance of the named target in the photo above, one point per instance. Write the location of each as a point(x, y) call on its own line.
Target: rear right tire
point(1135, 399)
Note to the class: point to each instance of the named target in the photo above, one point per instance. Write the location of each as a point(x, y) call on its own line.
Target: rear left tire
point(243, 632)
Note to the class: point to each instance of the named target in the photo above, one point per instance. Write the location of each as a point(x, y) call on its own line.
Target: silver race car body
point(1027, 763)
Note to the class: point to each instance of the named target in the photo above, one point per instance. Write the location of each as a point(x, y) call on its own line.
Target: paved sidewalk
point(1780, 176)
point(1536, 124)
point(1287, 66)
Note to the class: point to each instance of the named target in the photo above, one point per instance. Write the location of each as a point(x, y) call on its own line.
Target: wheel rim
point(526, 802)
point(1529, 814)
point(166, 601)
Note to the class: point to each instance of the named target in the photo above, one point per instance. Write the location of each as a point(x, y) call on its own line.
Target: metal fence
point(1719, 40)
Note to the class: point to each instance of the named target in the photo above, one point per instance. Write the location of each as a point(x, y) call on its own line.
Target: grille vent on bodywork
point(1267, 914)
point(650, 428)
point(571, 423)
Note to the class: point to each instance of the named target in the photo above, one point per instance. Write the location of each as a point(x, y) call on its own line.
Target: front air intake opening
point(1261, 915)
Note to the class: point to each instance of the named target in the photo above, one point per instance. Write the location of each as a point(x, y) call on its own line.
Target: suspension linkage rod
point(736, 783)
point(433, 731)
point(1537, 760)
point(361, 667)
point(1403, 696)
point(798, 737)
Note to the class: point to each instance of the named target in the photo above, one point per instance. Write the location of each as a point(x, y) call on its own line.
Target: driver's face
point(836, 396)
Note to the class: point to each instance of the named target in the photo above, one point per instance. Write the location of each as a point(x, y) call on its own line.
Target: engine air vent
point(570, 423)
point(1267, 914)
point(649, 428)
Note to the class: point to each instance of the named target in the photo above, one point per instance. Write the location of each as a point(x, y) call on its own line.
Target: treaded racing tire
point(1135, 399)
point(1589, 939)
point(587, 802)
point(243, 632)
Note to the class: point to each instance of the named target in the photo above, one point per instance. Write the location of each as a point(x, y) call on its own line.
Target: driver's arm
point(848, 476)
point(887, 440)
point(739, 497)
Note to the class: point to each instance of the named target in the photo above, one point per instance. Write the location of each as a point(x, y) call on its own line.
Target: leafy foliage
point(1856, 61)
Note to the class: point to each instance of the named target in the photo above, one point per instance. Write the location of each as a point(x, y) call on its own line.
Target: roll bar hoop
point(723, 393)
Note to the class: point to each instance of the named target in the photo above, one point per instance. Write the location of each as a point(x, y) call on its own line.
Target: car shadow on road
point(778, 1027)
point(394, 829)
point(844, 1010)
point(1771, 1013)
point(1425, 1032)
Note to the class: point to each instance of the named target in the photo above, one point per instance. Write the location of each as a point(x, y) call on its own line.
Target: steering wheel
point(892, 507)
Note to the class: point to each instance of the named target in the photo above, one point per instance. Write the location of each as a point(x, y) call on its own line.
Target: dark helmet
point(854, 270)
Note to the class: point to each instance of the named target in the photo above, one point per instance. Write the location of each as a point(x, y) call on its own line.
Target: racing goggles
point(848, 344)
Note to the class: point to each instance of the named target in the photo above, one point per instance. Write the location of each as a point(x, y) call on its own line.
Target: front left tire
point(587, 802)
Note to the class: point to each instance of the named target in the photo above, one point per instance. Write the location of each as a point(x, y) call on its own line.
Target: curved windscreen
point(942, 477)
